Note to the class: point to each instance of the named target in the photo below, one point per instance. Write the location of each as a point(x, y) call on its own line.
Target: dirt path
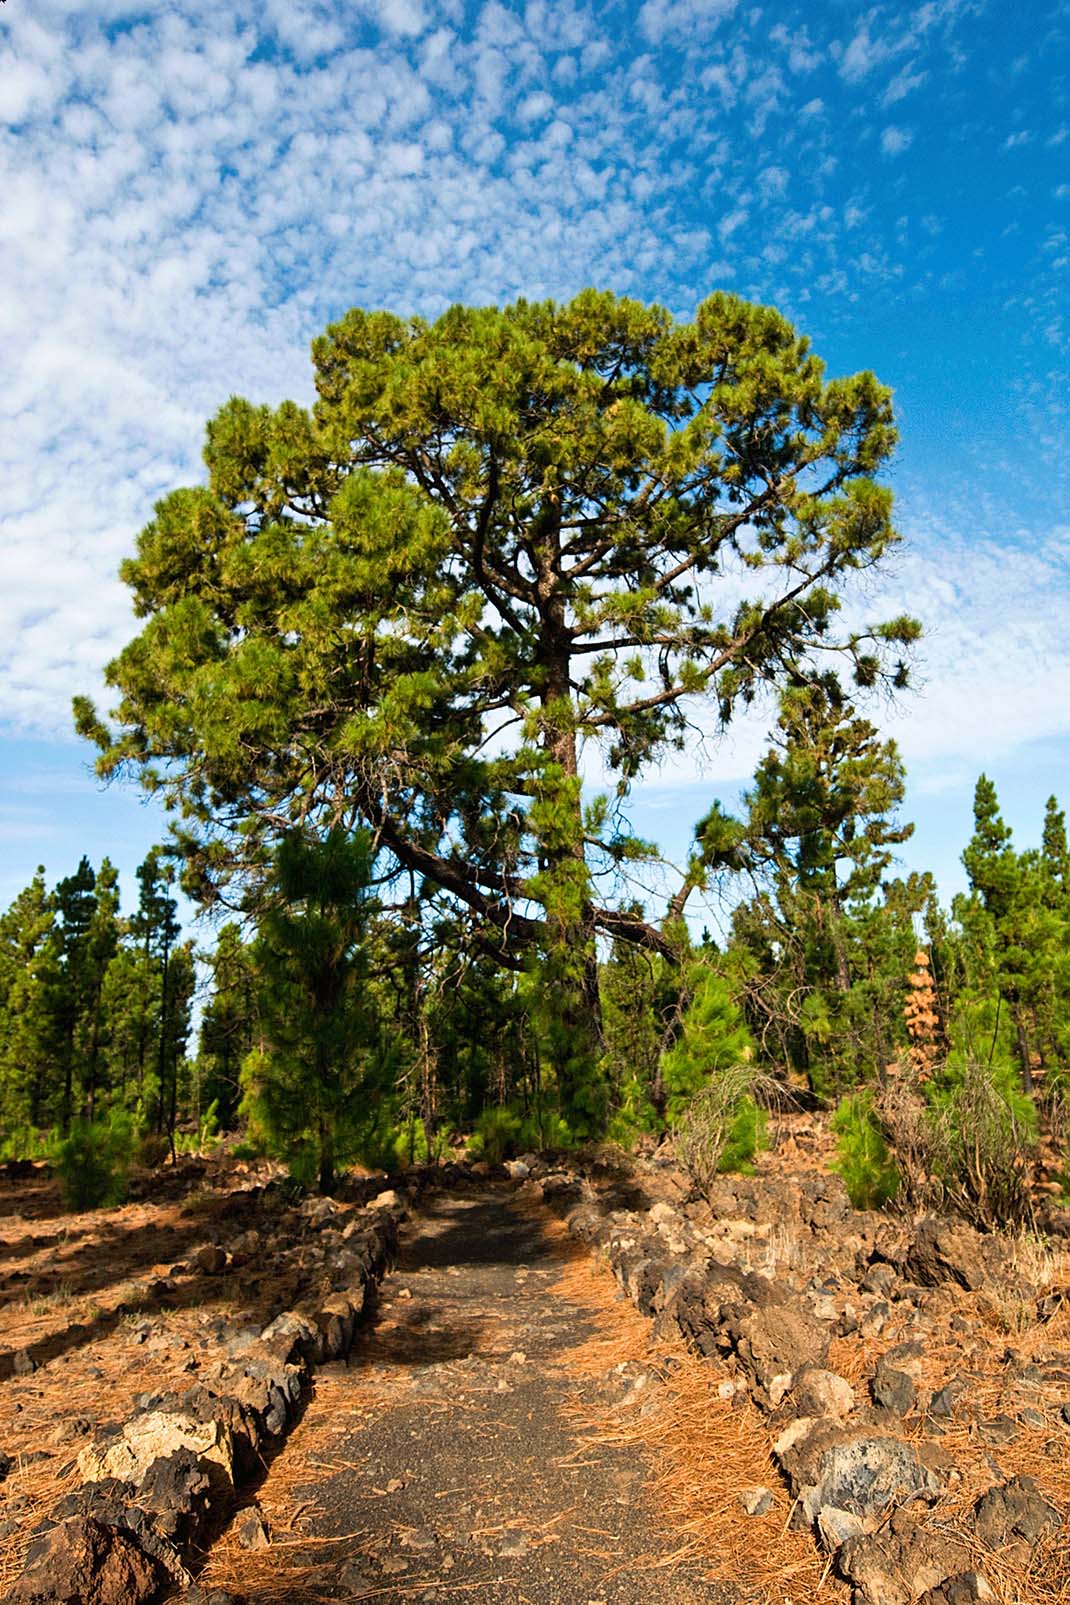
point(449, 1461)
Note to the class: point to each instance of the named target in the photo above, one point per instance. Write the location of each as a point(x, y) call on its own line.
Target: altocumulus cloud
point(190, 193)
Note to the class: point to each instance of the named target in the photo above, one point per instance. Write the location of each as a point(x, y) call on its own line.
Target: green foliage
point(862, 1155)
point(227, 1023)
point(311, 1091)
point(987, 1133)
point(409, 1146)
point(503, 1133)
point(824, 948)
point(497, 1136)
point(204, 1138)
point(26, 1142)
point(514, 519)
point(746, 1135)
point(152, 1150)
point(713, 1037)
point(92, 1161)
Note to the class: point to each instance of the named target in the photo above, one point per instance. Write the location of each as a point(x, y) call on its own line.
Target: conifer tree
point(821, 953)
point(29, 1042)
point(156, 926)
point(101, 945)
point(496, 538)
point(227, 1024)
point(75, 902)
point(311, 1087)
point(1009, 931)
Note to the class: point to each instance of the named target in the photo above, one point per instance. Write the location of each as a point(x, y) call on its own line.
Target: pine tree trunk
point(577, 1000)
point(1023, 1055)
point(326, 1156)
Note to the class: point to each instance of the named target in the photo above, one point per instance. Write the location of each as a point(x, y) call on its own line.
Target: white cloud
point(773, 181)
point(660, 20)
point(731, 222)
point(190, 196)
point(863, 53)
point(894, 140)
point(906, 80)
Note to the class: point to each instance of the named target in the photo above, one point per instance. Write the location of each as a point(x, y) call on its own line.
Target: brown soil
point(90, 1299)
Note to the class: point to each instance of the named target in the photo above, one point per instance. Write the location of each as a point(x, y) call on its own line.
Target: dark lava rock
point(965, 1588)
point(210, 1260)
point(851, 1468)
point(1016, 1510)
point(943, 1402)
point(999, 1430)
point(84, 1562)
point(773, 1342)
point(893, 1390)
point(894, 1566)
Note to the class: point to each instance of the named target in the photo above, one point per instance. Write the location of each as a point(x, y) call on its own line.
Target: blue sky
point(189, 193)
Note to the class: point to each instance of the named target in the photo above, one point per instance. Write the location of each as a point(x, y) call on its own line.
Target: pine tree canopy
point(495, 539)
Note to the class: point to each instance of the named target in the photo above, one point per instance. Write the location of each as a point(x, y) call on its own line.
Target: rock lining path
point(447, 1460)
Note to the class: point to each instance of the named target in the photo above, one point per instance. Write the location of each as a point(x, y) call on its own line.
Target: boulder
point(210, 1260)
point(894, 1566)
point(950, 1251)
point(178, 1491)
point(1016, 1511)
point(822, 1393)
point(775, 1343)
point(893, 1390)
point(82, 1561)
point(836, 1527)
point(944, 1400)
point(156, 1435)
point(965, 1588)
point(245, 1248)
point(156, 1533)
point(756, 1501)
point(851, 1468)
point(290, 1338)
point(250, 1528)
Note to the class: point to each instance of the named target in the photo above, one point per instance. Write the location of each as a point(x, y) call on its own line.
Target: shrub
point(25, 1142)
point(409, 1145)
point(152, 1149)
point(713, 1040)
point(987, 1143)
point(496, 1136)
point(862, 1155)
point(205, 1138)
point(92, 1162)
point(963, 1140)
point(716, 1118)
point(502, 1132)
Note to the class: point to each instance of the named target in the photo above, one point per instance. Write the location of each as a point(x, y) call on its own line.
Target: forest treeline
point(342, 1026)
point(377, 649)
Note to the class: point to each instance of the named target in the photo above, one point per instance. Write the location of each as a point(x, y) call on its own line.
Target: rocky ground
point(577, 1384)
